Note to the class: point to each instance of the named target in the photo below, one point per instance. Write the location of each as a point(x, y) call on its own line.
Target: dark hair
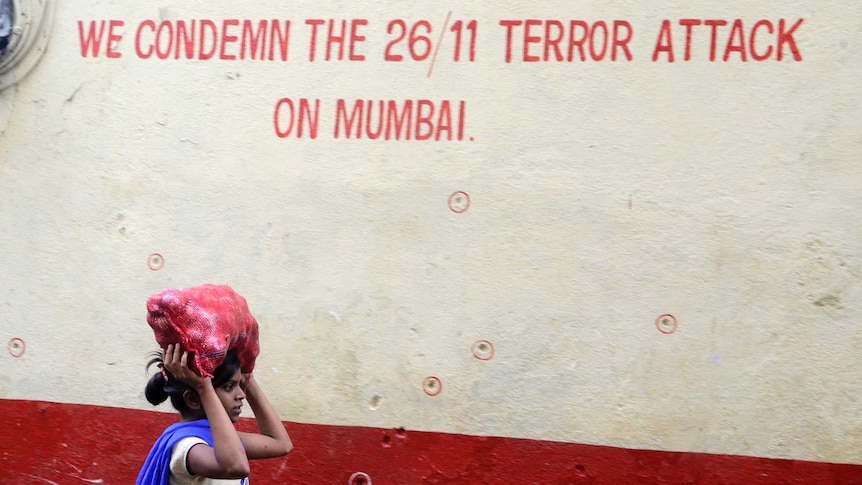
point(158, 389)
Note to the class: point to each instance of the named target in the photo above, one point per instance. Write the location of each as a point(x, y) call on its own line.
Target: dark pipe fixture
point(7, 16)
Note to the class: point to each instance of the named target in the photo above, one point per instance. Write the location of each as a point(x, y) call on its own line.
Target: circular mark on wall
point(483, 350)
point(432, 386)
point(666, 323)
point(459, 202)
point(155, 261)
point(359, 478)
point(16, 347)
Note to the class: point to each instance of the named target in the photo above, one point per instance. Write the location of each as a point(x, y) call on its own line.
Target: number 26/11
point(417, 38)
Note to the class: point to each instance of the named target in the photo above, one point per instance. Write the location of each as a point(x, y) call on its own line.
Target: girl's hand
point(176, 362)
point(246, 380)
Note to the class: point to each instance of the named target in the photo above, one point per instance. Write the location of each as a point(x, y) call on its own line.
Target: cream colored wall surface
point(603, 194)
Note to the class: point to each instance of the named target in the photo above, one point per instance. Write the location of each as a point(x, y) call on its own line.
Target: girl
point(204, 448)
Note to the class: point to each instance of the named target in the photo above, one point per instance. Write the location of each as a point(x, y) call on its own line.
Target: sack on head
point(207, 320)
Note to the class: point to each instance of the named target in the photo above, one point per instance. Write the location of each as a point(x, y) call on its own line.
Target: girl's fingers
point(176, 361)
point(172, 358)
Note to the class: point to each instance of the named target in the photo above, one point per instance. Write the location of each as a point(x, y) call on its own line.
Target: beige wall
point(603, 194)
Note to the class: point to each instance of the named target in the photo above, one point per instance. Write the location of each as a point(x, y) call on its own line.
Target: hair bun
point(155, 390)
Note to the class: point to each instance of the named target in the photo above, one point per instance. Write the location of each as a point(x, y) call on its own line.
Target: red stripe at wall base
point(50, 443)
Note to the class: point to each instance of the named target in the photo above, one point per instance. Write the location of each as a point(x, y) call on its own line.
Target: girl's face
point(231, 395)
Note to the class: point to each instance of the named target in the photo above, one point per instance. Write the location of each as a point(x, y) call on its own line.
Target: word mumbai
point(419, 120)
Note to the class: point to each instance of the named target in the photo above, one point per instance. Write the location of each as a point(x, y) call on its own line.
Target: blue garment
point(157, 468)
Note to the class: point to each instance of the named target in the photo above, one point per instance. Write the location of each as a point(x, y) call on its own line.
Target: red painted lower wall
point(50, 443)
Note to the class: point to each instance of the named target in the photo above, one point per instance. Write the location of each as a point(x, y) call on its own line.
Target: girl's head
point(226, 380)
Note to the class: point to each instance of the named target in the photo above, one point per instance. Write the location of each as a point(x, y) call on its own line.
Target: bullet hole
point(483, 350)
point(459, 202)
point(374, 403)
point(432, 386)
point(359, 478)
point(400, 433)
point(387, 441)
point(16, 347)
point(155, 261)
point(119, 218)
point(581, 470)
point(666, 323)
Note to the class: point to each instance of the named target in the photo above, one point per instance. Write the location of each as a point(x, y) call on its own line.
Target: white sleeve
point(179, 464)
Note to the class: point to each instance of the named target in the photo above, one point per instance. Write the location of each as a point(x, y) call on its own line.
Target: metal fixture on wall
point(25, 27)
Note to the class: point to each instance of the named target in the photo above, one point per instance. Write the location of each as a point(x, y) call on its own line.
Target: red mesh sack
point(208, 320)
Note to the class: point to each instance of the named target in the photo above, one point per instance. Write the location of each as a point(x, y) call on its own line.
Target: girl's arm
point(226, 458)
point(273, 439)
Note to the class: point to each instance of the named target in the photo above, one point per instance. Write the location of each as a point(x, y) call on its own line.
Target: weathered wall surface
point(608, 223)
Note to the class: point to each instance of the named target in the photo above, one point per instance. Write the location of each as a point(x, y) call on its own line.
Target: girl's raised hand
point(176, 362)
